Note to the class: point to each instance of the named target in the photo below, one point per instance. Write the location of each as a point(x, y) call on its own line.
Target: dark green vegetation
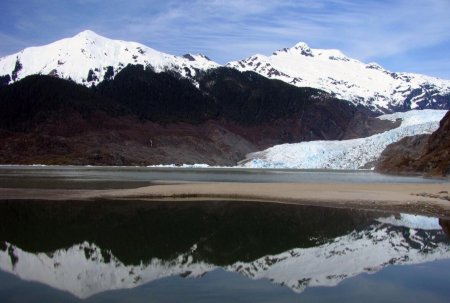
point(224, 232)
point(249, 98)
point(35, 99)
point(4, 80)
point(246, 98)
point(141, 117)
point(159, 97)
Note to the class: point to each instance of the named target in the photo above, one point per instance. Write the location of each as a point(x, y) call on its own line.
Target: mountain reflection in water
point(90, 247)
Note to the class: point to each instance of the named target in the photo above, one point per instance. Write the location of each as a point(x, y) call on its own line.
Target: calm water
point(113, 251)
point(212, 251)
point(71, 177)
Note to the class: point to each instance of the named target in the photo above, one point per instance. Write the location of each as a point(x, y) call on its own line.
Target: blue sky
point(401, 35)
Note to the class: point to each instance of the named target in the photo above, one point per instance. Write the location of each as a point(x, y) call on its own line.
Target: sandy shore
point(426, 199)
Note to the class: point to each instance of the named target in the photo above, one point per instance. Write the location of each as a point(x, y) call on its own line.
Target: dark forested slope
point(141, 117)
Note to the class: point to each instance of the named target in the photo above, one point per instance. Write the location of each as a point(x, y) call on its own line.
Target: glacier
point(345, 154)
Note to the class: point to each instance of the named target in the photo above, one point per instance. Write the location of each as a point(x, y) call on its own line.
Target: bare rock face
point(445, 224)
point(436, 157)
point(398, 157)
point(423, 154)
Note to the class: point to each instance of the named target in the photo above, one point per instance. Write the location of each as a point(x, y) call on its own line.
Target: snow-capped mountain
point(88, 58)
point(346, 78)
point(85, 269)
point(345, 154)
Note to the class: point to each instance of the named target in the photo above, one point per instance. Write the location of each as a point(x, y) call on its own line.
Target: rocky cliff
point(424, 154)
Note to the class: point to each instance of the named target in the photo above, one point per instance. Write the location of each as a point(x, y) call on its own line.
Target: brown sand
point(427, 199)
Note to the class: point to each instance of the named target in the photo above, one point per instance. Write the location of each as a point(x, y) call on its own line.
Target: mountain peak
point(87, 58)
point(88, 34)
point(303, 48)
point(204, 56)
point(331, 70)
point(93, 37)
point(302, 45)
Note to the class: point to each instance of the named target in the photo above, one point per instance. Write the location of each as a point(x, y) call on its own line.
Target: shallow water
point(75, 177)
point(215, 251)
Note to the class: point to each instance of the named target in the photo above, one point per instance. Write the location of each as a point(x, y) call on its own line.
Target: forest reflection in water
point(93, 247)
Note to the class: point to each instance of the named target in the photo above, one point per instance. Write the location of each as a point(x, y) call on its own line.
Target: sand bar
point(426, 199)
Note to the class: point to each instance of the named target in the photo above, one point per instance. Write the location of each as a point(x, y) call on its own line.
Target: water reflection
point(91, 247)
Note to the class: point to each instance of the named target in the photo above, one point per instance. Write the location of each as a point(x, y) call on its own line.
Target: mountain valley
point(90, 100)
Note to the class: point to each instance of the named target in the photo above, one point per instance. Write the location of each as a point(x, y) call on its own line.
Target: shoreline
point(422, 199)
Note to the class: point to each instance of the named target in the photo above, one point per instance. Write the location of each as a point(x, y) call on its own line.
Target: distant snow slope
point(85, 58)
point(349, 79)
point(347, 154)
point(85, 269)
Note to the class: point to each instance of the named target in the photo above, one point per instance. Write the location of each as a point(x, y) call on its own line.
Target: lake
point(212, 251)
point(85, 177)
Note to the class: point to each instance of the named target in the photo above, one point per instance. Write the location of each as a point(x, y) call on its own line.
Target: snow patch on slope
point(346, 154)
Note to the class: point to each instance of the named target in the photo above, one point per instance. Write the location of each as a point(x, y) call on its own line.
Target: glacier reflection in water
point(89, 249)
